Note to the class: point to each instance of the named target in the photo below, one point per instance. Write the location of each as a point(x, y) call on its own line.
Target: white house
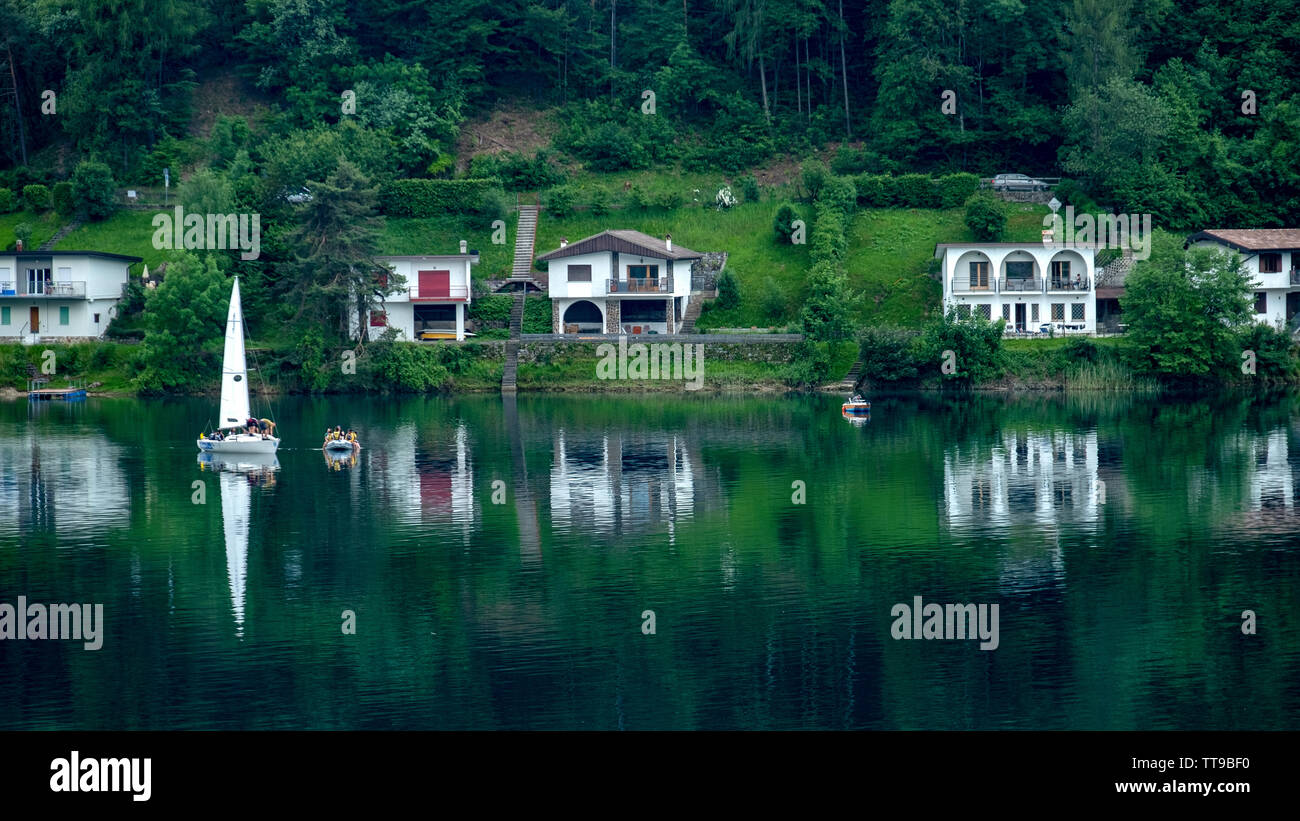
point(433, 303)
point(1272, 257)
point(1029, 284)
point(60, 294)
point(619, 282)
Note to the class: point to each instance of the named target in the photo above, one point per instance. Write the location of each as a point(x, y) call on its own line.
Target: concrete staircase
point(72, 225)
point(693, 310)
point(525, 237)
point(511, 372)
point(850, 380)
point(517, 315)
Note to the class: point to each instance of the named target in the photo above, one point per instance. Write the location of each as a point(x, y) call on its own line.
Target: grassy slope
point(43, 226)
point(125, 232)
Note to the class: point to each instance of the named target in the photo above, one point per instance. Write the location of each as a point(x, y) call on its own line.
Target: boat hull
point(856, 407)
point(341, 447)
point(240, 443)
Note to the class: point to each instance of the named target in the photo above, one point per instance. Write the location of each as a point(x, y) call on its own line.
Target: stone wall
point(704, 271)
point(613, 315)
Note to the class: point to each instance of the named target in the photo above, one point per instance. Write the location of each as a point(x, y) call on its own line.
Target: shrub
point(811, 365)
point(839, 193)
point(37, 198)
point(783, 222)
point(772, 300)
point(537, 315)
point(670, 200)
point(1080, 349)
point(728, 290)
point(63, 199)
point(559, 201)
point(890, 354)
point(7, 201)
point(427, 198)
point(23, 232)
point(975, 343)
point(749, 188)
point(955, 189)
point(1274, 351)
point(93, 189)
point(851, 161)
point(517, 172)
point(874, 190)
point(599, 202)
point(814, 175)
point(917, 191)
point(492, 308)
point(986, 217)
point(638, 199)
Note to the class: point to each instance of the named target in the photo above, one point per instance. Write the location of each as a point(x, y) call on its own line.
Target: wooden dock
point(38, 392)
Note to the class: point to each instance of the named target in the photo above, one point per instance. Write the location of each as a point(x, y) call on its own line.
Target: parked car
point(1018, 182)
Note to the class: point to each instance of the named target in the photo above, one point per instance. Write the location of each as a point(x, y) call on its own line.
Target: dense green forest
point(1185, 111)
point(1140, 102)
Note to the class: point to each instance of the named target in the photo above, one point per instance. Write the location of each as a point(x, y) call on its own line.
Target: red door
point(435, 284)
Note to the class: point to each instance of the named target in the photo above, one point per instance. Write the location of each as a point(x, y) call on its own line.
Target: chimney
point(668, 240)
point(564, 242)
point(20, 244)
point(464, 246)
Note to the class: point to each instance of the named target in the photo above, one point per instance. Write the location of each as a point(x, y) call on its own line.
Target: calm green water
point(1121, 541)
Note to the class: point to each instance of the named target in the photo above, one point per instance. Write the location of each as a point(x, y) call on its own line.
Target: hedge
point(7, 201)
point(955, 189)
point(917, 191)
point(427, 198)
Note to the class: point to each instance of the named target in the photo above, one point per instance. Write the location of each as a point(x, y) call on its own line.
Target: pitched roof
point(1252, 239)
point(624, 242)
point(37, 253)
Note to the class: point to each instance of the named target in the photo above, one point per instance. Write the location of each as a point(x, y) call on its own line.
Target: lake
point(660, 562)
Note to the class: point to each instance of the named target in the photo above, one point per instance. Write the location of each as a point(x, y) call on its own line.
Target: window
point(1033, 312)
point(96, 319)
point(985, 311)
point(1076, 311)
point(1270, 263)
point(63, 315)
point(1058, 311)
point(1020, 270)
point(963, 312)
point(579, 273)
point(4, 315)
point(979, 275)
point(1261, 302)
point(643, 277)
point(1006, 312)
point(378, 319)
point(1061, 274)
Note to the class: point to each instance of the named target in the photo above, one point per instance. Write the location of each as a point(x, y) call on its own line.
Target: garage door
point(435, 284)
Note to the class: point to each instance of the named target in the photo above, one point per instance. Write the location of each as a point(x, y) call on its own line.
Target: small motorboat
point(341, 446)
point(856, 406)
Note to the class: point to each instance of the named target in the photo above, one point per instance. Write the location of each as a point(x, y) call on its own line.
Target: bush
point(493, 308)
point(599, 202)
point(840, 194)
point(783, 222)
point(728, 290)
point(1274, 351)
point(811, 365)
point(955, 189)
point(917, 191)
point(8, 202)
point(890, 354)
point(975, 345)
point(772, 301)
point(638, 199)
point(815, 175)
point(63, 199)
point(427, 198)
point(517, 172)
point(1069, 192)
point(986, 217)
point(874, 190)
point(559, 201)
point(94, 189)
point(851, 161)
point(749, 188)
point(1080, 349)
point(23, 233)
point(537, 315)
point(37, 198)
point(670, 200)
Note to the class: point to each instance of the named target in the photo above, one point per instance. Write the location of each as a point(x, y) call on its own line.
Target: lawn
point(125, 232)
point(442, 235)
point(43, 226)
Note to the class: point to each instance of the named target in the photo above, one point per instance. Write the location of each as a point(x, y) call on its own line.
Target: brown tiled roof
point(624, 242)
point(1252, 239)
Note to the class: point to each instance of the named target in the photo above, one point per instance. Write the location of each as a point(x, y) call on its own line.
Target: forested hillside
point(1142, 103)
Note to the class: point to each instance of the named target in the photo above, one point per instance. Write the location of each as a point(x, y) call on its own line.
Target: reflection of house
point(425, 484)
point(1028, 284)
point(1272, 258)
point(434, 300)
point(1044, 478)
point(617, 482)
point(69, 485)
point(1272, 482)
point(57, 294)
point(619, 282)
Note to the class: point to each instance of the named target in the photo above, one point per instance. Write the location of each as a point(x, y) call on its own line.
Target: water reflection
point(237, 475)
point(62, 483)
point(617, 482)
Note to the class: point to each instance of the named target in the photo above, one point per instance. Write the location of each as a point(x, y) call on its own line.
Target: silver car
point(1017, 182)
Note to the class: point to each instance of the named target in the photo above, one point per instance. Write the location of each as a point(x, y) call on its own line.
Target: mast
point(234, 368)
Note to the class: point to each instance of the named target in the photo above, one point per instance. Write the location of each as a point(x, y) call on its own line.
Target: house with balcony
point(1031, 285)
point(1272, 258)
point(49, 295)
point(433, 302)
point(619, 282)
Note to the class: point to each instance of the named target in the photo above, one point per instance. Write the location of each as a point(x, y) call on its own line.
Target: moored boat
point(856, 405)
point(238, 431)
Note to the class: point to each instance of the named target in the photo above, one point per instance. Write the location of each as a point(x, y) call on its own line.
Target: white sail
point(234, 368)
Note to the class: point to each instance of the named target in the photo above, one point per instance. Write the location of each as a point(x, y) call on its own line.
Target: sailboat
point(234, 393)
